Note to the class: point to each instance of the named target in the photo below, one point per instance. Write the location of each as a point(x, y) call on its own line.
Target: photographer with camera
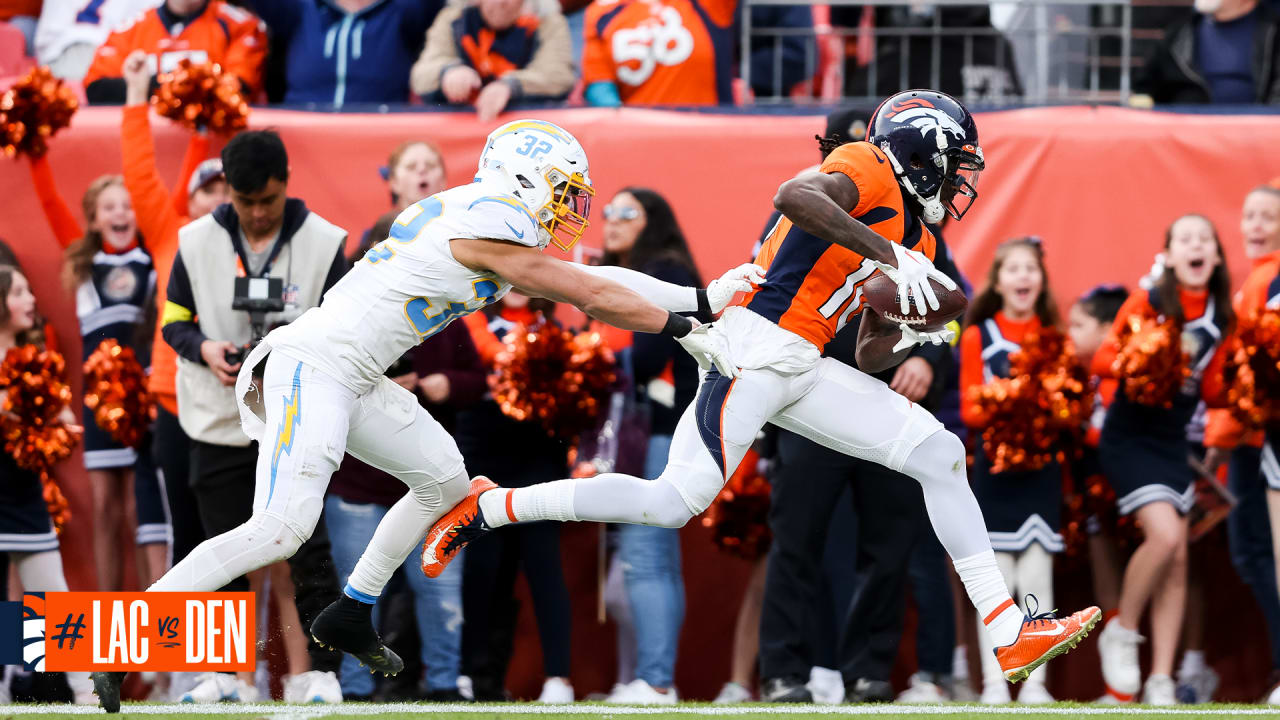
point(249, 266)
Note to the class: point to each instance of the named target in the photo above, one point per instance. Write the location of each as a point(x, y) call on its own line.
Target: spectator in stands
point(347, 51)
point(69, 33)
point(659, 52)
point(492, 52)
point(779, 62)
point(447, 375)
point(414, 170)
point(23, 15)
point(261, 233)
point(641, 233)
point(1223, 52)
point(521, 453)
point(195, 30)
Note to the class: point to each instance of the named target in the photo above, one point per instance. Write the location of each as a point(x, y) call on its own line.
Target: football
point(881, 294)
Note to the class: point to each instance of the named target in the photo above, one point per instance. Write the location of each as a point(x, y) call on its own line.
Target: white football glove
point(743, 278)
point(911, 338)
point(709, 350)
point(912, 273)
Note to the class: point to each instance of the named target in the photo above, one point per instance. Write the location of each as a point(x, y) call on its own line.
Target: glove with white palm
point(912, 272)
point(743, 278)
point(912, 337)
point(709, 350)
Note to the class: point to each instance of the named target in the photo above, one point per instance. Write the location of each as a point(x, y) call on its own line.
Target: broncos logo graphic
point(928, 118)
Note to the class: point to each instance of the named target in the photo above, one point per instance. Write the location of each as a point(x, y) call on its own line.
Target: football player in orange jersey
point(864, 210)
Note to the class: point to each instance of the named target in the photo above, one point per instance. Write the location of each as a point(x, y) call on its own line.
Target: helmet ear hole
point(524, 182)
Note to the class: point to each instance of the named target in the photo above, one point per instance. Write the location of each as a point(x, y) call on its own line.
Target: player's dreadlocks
point(829, 143)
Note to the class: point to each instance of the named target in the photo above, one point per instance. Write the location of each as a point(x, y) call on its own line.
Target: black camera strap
point(242, 257)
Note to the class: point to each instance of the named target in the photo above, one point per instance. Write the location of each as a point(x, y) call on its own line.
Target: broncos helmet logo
point(928, 118)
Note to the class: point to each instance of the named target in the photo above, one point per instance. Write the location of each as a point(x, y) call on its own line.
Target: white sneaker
point(1035, 694)
point(1274, 698)
point(731, 694)
point(556, 691)
point(995, 693)
point(639, 692)
point(1118, 647)
point(1159, 690)
point(210, 688)
point(825, 685)
point(923, 692)
point(1197, 687)
point(313, 686)
point(466, 688)
point(81, 686)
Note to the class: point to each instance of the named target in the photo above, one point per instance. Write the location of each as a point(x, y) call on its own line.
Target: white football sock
point(989, 594)
point(610, 497)
point(545, 501)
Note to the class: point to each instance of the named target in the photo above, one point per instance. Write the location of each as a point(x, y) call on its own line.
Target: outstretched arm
point(819, 203)
point(675, 298)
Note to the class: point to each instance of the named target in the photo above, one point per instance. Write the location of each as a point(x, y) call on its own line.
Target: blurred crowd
point(488, 54)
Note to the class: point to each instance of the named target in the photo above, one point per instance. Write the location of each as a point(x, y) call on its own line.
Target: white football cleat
point(923, 692)
point(1034, 693)
point(312, 686)
point(995, 693)
point(825, 685)
point(556, 691)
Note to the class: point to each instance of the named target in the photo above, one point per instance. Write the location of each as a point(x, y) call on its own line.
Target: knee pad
point(278, 538)
point(940, 458)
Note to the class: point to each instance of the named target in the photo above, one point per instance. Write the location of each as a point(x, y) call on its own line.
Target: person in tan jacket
point(487, 53)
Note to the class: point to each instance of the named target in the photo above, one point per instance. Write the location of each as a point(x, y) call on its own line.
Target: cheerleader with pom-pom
point(1166, 350)
point(27, 536)
point(1022, 507)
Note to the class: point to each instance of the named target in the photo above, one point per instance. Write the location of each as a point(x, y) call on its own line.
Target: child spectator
point(111, 275)
point(492, 52)
point(1023, 508)
point(659, 52)
point(196, 30)
point(347, 51)
point(414, 170)
point(1144, 452)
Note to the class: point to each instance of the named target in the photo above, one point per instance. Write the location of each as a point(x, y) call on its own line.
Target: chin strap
point(931, 207)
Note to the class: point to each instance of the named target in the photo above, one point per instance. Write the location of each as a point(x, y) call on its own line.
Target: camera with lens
point(258, 296)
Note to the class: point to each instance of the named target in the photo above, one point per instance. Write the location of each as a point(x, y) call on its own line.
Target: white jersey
point(64, 23)
point(407, 287)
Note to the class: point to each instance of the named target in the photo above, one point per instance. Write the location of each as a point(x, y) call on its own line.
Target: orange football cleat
point(455, 529)
point(1042, 638)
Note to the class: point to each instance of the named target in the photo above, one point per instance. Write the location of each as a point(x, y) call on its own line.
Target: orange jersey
point(230, 36)
point(1261, 289)
point(661, 52)
point(813, 287)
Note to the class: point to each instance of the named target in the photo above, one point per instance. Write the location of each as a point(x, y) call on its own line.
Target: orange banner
point(160, 631)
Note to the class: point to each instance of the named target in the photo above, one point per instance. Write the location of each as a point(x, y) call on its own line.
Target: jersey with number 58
point(409, 286)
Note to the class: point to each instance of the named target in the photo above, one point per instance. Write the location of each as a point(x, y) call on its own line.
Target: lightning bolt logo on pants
point(288, 427)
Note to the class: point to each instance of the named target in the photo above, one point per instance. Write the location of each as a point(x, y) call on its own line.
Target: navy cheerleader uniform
point(1021, 507)
point(1144, 449)
point(109, 304)
point(25, 525)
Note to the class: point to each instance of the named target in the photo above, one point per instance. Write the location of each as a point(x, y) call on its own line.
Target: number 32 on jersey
point(426, 318)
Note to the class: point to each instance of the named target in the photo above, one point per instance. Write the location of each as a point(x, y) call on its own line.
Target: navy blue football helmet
point(932, 143)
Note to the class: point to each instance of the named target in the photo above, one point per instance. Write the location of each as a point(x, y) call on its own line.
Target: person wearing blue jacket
point(341, 52)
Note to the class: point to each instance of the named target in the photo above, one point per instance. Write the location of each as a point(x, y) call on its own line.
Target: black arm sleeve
point(336, 270)
point(180, 329)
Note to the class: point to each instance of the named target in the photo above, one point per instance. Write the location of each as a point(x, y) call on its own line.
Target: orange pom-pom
point(551, 376)
point(116, 392)
point(33, 109)
point(1253, 391)
point(199, 96)
point(1038, 413)
point(739, 516)
point(35, 394)
point(1151, 360)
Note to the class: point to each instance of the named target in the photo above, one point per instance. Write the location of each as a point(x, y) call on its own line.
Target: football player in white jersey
point(323, 390)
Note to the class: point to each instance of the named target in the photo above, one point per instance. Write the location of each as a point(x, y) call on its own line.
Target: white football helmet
point(546, 168)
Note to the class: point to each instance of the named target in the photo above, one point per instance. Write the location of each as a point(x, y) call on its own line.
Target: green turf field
point(587, 711)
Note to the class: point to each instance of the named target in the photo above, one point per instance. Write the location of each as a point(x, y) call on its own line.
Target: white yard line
point(304, 712)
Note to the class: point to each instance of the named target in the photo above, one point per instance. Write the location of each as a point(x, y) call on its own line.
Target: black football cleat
point(106, 685)
point(347, 625)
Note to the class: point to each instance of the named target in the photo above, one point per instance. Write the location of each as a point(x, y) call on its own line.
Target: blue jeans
point(1249, 537)
point(437, 603)
point(654, 585)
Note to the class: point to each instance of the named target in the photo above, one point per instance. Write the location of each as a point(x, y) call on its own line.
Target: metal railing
point(1035, 51)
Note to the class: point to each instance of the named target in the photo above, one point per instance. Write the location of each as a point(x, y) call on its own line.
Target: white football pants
point(311, 419)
